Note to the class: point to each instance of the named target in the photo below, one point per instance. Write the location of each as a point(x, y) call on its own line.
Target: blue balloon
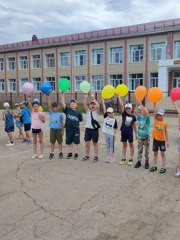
point(46, 88)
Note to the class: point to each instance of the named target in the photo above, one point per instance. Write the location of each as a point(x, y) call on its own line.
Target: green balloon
point(64, 84)
point(85, 86)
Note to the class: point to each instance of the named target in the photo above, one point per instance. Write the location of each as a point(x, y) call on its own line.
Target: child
point(143, 120)
point(160, 139)
point(91, 131)
point(177, 173)
point(56, 125)
point(110, 130)
point(9, 123)
point(73, 117)
point(18, 123)
point(128, 124)
point(38, 120)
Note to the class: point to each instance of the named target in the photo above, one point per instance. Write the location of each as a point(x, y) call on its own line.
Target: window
point(11, 63)
point(177, 49)
point(12, 85)
point(158, 51)
point(51, 80)
point(135, 80)
point(36, 61)
point(21, 82)
point(97, 82)
point(97, 56)
point(115, 80)
point(176, 79)
point(78, 80)
point(23, 62)
point(80, 58)
point(50, 61)
point(65, 59)
point(2, 85)
point(136, 53)
point(37, 83)
point(1, 64)
point(153, 80)
point(116, 55)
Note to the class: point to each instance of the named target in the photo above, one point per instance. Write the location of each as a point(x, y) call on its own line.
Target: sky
point(20, 19)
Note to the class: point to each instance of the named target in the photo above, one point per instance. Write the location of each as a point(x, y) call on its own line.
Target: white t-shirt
point(95, 115)
point(108, 125)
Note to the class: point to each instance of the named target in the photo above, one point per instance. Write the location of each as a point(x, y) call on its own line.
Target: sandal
point(162, 170)
point(85, 158)
point(95, 159)
point(153, 169)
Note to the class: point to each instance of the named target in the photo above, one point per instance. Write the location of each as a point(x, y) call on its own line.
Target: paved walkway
point(74, 200)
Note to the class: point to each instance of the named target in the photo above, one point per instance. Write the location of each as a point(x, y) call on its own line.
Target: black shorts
point(9, 129)
point(91, 134)
point(159, 145)
point(36, 131)
point(27, 127)
point(126, 137)
point(72, 136)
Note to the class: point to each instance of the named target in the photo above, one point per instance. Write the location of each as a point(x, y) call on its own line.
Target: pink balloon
point(28, 88)
point(175, 94)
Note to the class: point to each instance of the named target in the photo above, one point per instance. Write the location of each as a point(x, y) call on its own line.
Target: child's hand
point(167, 144)
point(114, 137)
point(62, 132)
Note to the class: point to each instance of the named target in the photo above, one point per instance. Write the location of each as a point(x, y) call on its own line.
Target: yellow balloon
point(122, 90)
point(108, 91)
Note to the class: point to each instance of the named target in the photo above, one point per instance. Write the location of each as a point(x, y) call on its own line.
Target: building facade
point(145, 54)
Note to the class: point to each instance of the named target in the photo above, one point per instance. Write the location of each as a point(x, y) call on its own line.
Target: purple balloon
point(28, 88)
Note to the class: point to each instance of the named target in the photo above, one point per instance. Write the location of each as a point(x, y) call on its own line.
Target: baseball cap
point(128, 105)
point(16, 104)
point(73, 100)
point(109, 110)
point(24, 102)
point(92, 101)
point(6, 104)
point(160, 112)
point(36, 100)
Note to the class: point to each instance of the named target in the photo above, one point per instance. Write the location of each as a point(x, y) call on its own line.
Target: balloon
point(64, 84)
point(46, 88)
point(122, 90)
point(140, 93)
point(108, 91)
point(175, 94)
point(28, 88)
point(155, 94)
point(85, 86)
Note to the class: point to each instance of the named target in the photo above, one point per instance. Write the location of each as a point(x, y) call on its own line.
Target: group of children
point(29, 114)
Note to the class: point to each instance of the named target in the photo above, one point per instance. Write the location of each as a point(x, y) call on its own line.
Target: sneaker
point(60, 155)
point(29, 141)
point(107, 160)
point(177, 174)
point(69, 156)
point(34, 156)
point(24, 140)
point(153, 169)
point(9, 144)
point(51, 155)
point(122, 161)
point(162, 170)
point(41, 156)
point(112, 160)
point(138, 164)
point(146, 166)
point(75, 156)
point(130, 162)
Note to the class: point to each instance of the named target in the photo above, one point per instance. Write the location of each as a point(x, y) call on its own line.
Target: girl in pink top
point(38, 120)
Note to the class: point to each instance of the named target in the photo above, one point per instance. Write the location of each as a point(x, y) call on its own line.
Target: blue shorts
point(9, 129)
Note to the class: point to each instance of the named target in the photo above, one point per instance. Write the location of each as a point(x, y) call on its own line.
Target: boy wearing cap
point(91, 131)
point(160, 139)
point(73, 118)
point(110, 130)
point(129, 123)
point(18, 123)
point(9, 123)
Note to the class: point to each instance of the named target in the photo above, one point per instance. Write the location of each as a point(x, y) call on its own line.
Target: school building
point(143, 54)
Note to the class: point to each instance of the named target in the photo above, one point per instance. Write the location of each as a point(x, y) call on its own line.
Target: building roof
point(111, 33)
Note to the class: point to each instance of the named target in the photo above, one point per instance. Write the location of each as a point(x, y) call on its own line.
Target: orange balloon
point(140, 93)
point(155, 94)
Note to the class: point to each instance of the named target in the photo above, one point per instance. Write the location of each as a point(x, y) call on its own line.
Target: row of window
point(116, 56)
point(97, 82)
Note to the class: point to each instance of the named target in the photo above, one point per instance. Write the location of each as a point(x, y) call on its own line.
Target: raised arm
point(49, 103)
point(63, 100)
point(154, 109)
point(144, 109)
point(177, 109)
point(86, 102)
point(121, 103)
point(29, 103)
point(96, 102)
point(103, 105)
